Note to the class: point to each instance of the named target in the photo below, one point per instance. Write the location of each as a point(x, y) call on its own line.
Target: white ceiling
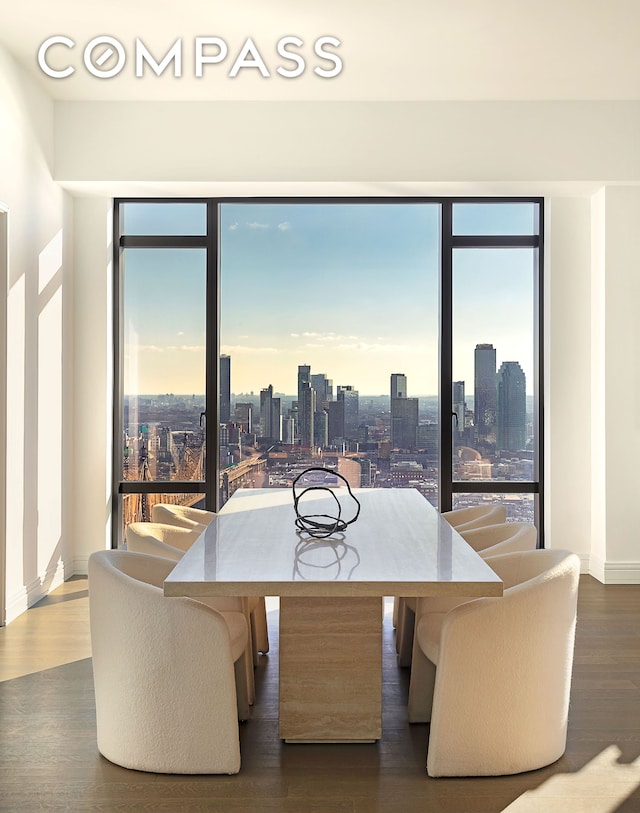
point(391, 49)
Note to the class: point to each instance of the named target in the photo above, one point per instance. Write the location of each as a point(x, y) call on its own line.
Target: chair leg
point(421, 686)
point(396, 603)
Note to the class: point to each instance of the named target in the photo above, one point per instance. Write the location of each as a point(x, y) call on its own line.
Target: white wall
point(39, 417)
point(93, 369)
point(567, 375)
point(621, 385)
point(368, 142)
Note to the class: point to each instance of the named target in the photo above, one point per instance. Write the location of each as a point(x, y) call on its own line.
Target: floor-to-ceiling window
point(161, 295)
point(492, 261)
point(324, 308)
point(394, 341)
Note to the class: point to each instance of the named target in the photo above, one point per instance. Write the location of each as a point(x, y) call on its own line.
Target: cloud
point(255, 225)
point(325, 338)
point(170, 348)
point(246, 350)
point(285, 226)
point(234, 226)
point(365, 347)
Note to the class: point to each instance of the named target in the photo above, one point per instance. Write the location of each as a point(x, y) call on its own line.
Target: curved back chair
point(504, 537)
point(493, 675)
point(489, 540)
point(464, 519)
point(171, 541)
point(160, 539)
point(461, 519)
point(168, 673)
point(182, 515)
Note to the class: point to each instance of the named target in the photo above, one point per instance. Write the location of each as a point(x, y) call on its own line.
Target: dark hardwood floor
point(49, 760)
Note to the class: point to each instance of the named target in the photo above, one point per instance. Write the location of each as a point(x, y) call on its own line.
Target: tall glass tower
point(404, 414)
point(511, 407)
point(225, 389)
point(484, 392)
point(351, 398)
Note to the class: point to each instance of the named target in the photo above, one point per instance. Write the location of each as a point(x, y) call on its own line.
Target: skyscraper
point(511, 416)
point(336, 421)
point(305, 420)
point(404, 414)
point(243, 414)
point(398, 385)
point(304, 377)
point(351, 399)
point(484, 392)
point(307, 407)
point(266, 396)
point(225, 389)
point(270, 414)
point(323, 387)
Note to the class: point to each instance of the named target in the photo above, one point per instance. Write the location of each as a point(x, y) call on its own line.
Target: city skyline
point(346, 288)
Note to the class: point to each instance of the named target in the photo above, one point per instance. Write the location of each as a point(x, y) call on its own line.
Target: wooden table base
point(330, 669)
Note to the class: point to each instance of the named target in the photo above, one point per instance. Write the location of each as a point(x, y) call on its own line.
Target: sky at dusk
point(350, 289)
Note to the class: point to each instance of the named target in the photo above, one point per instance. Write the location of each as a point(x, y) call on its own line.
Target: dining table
point(392, 542)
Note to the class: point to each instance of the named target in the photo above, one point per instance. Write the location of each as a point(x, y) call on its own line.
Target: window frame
point(449, 241)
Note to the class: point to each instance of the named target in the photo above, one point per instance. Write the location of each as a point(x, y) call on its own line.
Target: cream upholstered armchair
point(169, 673)
point(160, 539)
point(183, 515)
point(503, 537)
point(493, 675)
point(171, 541)
point(475, 516)
point(489, 540)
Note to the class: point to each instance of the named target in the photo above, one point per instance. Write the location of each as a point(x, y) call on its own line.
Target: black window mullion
point(445, 493)
point(117, 406)
point(151, 486)
point(212, 385)
point(495, 241)
point(163, 241)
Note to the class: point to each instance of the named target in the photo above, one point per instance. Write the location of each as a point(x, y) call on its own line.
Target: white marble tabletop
point(399, 545)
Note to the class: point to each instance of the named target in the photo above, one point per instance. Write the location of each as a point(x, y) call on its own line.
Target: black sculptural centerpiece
point(321, 526)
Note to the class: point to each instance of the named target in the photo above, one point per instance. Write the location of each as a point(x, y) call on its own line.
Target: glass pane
point(520, 507)
point(138, 507)
point(482, 219)
point(494, 380)
point(163, 364)
point(327, 310)
point(164, 218)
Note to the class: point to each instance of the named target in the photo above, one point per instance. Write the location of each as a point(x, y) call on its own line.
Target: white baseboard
point(611, 572)
point(35, 590)
point(80, 566)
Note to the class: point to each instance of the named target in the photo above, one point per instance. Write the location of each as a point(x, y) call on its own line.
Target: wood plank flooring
point(49, 760)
